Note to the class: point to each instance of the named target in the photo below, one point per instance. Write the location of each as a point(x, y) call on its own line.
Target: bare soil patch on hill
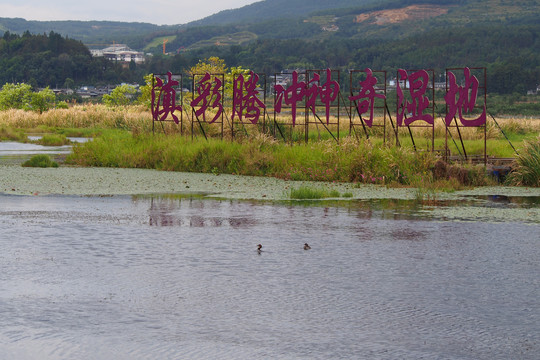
point(392, 16)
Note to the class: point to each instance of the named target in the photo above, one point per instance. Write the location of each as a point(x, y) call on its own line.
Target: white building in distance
point(119, 52)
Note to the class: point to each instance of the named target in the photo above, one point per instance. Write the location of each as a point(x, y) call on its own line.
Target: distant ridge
point(93, 31)
point(274, 9)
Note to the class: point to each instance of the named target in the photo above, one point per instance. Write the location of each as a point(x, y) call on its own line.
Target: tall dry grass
point(137, 118)
point(134, 118)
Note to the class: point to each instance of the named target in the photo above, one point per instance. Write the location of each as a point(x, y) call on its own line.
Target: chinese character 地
point(466, 99)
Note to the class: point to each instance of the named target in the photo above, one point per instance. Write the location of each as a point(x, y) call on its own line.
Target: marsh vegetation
point(123, 137)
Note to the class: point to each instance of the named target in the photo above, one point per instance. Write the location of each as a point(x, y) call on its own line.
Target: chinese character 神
point(368, 93)
point(328, 92)
point(168, 104)
point(312, 92)
point(209, 97)
point(418, 82)
point(466, 99)
point(245, 98)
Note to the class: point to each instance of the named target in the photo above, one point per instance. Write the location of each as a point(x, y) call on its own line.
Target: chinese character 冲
point(291, 96)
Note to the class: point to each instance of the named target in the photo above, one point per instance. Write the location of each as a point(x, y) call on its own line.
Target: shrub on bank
point(526, 171)
point(308, 193)
point(40, 161)
point(53, 140)
point(461, 174)
point(7, 133)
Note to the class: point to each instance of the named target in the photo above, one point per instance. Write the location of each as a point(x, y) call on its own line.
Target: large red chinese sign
point(318, 93)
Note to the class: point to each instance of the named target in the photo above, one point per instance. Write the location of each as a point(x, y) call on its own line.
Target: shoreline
point(93, 181)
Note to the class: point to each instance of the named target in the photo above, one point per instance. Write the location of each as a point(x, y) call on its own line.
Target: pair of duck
point(259, 247)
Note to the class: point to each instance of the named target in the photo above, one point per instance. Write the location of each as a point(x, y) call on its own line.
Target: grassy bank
point(123, 138)
point(349, 161)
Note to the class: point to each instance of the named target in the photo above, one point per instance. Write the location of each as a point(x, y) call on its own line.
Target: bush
point(7, 133)
point(53, 140)
point(459, 174)
point(308, 193)
point(40, 161)
point(62, 105)
point(41, 101)
point(526, 170)
point(15, 96)
point(120, 96)
point(21, 96)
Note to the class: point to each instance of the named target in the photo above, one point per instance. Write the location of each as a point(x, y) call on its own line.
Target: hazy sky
point(159, 12)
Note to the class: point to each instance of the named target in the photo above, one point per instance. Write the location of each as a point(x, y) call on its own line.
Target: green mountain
point(296, 19)
point(276, 9)
point(272, 35)
point(352, 19)
point(89, 32)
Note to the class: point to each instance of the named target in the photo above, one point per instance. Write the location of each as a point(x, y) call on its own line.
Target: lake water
point(17, 152)
point(180, 278)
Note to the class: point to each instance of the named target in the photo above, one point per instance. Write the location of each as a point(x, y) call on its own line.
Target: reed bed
point(138, 118)
point(134, 118)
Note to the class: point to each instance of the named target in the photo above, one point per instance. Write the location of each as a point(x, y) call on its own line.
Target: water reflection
point(177, 210)
point(170, 211)
point(179, 277)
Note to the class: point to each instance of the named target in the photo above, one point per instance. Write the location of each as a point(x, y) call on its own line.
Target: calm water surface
point(17, 152)
point(170, 278)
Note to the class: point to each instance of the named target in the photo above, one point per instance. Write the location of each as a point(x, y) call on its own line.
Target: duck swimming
point(259, 249)
point(306, 246)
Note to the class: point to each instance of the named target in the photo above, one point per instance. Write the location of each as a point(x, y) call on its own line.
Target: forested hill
point(501, 35)
point(274, 9)
point(52, 60)
point(89, 32)
point(368, 20)
point(311, 20)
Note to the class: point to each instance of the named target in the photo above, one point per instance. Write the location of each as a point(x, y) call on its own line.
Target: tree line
point(52, 60)
point(511, 55)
